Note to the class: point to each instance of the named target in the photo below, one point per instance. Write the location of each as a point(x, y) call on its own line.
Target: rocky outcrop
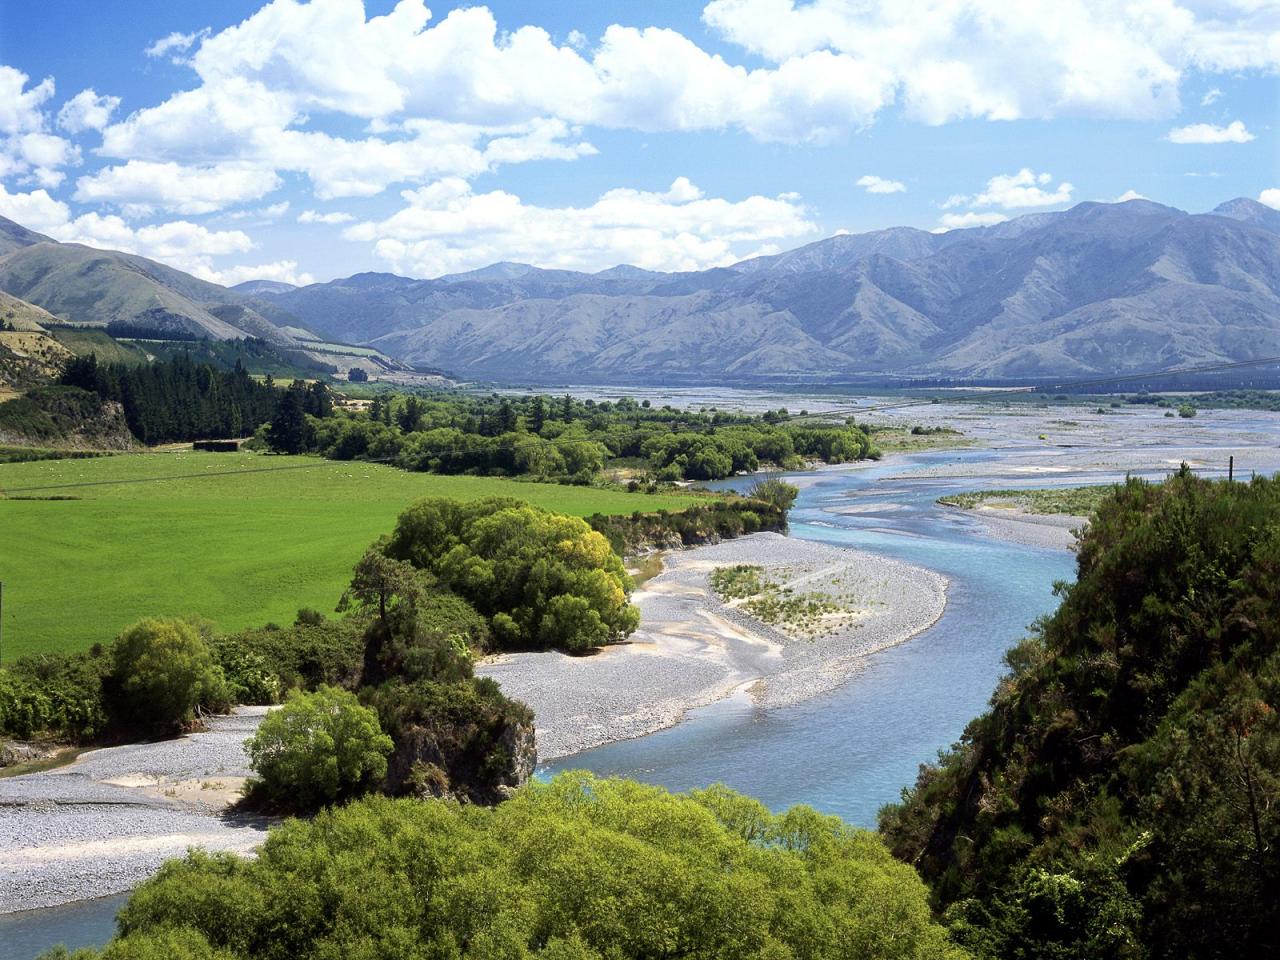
point(468, 764)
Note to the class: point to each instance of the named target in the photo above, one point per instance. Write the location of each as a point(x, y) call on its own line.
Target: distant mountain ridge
point(1096, 289)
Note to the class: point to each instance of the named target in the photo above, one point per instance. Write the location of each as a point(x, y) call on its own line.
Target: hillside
point(1119, 797)
point(1100, 288)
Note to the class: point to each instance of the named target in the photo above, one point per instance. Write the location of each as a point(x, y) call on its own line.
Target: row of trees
point(565, 438)
point(178, 400)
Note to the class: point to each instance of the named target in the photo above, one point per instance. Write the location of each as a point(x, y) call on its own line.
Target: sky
point(303, 142)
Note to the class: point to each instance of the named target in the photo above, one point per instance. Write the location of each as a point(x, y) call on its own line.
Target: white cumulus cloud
point(141, 187)
point(1129, 195)
point(87, 111)
point(1271, 197)
point(1234, 132)
point(27, 149)
point(874, 184)
point(283, 271)
point(1023, 189)
point(447, 227)
point(970, 218)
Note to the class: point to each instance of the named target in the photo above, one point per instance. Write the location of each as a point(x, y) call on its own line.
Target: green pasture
point(240, 539)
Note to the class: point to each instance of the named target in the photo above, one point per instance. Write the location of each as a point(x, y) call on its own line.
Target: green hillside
point(1119, 799)
point(241, 539)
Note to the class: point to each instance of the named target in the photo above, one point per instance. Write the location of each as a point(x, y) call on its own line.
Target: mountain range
point(1097, 289)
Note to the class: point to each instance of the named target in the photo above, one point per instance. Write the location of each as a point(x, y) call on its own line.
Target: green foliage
point(178, 399)
point(288, 432)
point(53, 414)
point(1186, 411)
point(577, 869)
point(737, 582)
point(267, 661)
point(318, 748)
point(53, 695)
point(774, 491)
point(1118, 800)
point(554, 581)
point(699, 523)
point(161, 671)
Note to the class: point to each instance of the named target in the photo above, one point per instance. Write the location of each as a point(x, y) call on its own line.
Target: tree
point(318, 748)
point(512, 560)
point(774, 490)
point(357, 375)
point(538, 416)
point(288, 430)
point(162, 671)
point(318, 401)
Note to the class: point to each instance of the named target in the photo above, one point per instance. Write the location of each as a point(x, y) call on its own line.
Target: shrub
point(576, 868)
point(161, 672)
point(318, 748)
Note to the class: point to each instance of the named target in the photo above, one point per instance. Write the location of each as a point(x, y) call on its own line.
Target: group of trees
point(571, 439)
point(541, 579)
point(575, 869)
point(177, 400)
point(1121, 798)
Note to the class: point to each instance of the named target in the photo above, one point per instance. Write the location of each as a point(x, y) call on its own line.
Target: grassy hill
point(241, 539)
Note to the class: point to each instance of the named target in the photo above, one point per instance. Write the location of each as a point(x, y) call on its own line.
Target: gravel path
point(103, 824)
point(691, 649)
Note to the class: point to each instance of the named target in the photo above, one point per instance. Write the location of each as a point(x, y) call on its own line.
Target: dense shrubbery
point(319, 748)
point(577, 869)
point(704, 523)
point(1120, 797)
point(541, 579)
point(50, 414)
point(162, 671)
point(58, 695)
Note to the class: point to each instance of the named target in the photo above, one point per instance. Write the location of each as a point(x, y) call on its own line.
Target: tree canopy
point(542, 579)
point(575, 869)
point(161, 671)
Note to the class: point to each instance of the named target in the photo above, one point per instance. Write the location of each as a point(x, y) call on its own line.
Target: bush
point(542, 579)
point(54, 695)
point(162, 671)
point(318, 748)
point(577, 868)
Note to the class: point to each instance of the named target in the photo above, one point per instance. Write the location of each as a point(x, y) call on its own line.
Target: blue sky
point(292, 141)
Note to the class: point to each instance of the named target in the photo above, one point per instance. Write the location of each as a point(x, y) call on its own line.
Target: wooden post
point(1231, 468)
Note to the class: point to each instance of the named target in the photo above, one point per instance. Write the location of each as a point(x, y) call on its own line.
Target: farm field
point(240, 539)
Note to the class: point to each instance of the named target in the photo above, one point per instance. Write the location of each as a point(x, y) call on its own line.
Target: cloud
point(1022, 189)
point(313, 216)
point(27, 149)
point(141, 187)
point(86, 111)
point(874, 184)
point(1130, 195)
point(1211, 97)
point(971, 218)
point(1270, 197)
point(284, 271)
point(447, 227)
point(176, 43)
point(1005, 61)
point(179, 243)
point(1234, 132)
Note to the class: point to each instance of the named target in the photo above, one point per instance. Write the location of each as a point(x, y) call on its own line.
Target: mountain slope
point(1100, 288)
point(85, 285)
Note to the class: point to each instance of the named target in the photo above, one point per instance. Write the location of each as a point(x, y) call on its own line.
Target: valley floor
point(692, 649)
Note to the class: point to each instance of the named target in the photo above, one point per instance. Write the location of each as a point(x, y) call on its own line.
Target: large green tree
point(543, 579)
point(161, 672)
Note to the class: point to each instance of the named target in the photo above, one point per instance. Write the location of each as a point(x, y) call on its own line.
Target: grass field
point(240, 539)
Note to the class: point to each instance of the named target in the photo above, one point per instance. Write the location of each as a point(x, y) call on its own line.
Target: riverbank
point(692, 649)
point(107, 821)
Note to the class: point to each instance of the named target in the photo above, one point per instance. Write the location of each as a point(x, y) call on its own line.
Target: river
point(847, 752)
